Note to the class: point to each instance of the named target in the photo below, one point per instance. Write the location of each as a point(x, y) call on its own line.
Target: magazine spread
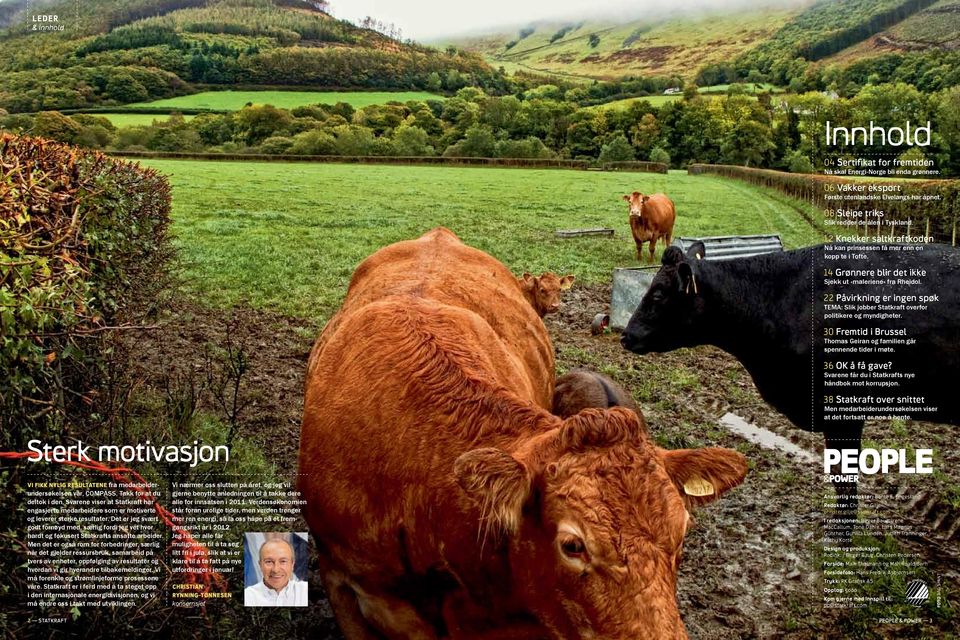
point(509, 321)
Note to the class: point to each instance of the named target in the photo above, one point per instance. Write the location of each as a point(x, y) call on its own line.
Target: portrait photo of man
point(272, 562)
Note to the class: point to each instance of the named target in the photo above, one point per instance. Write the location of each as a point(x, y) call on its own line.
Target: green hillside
point(113, 52)
point(790, 44)
point(826, 28)
point(937, 26)
point(677, 45)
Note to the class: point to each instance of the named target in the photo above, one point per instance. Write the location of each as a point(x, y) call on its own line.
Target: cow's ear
point(672, 255)
point(496, 481)
point(688, 279)
point(627, 198)
point(526, 279)
point(703, 475)
point(697, 251)
point(645, 198)
point(566, 282)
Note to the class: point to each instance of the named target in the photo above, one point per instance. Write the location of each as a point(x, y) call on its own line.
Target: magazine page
point(506, 321)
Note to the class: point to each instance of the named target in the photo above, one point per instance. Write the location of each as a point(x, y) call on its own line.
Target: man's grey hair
point(293, 552)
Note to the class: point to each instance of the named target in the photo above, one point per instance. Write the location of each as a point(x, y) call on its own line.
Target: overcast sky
point(426, 19)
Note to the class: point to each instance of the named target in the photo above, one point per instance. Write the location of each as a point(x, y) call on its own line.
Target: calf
point(765, 311)
point(447, 502)
point(581, 389)
point(543, 291)
point(651, 218)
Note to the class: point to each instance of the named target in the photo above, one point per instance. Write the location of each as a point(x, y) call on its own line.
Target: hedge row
point(651, 167)
point(155, 111)
point(929, 204)
point(83, 253)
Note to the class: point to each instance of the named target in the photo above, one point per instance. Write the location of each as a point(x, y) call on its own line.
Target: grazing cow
point(651, 218)
point(446, 501)
point(543, 291)
point(765, 312)
point(580, 389)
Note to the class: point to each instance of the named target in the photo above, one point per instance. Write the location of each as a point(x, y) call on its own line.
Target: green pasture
point(235, 100)
point(749, 87)
point(287, 236)
point(135, 119)
point(707, 92)
point(655, 101)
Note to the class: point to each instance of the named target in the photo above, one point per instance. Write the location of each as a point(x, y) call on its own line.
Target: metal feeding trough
point(629, 284)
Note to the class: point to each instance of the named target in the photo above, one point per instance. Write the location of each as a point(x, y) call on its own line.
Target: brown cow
point(581, 389)
point(446, 501)
point(543, 291)
point(651, 218)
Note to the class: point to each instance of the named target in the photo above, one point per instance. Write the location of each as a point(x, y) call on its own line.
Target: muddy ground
point(751, 566)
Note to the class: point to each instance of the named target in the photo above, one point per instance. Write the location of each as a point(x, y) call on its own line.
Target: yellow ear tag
point(698, 487)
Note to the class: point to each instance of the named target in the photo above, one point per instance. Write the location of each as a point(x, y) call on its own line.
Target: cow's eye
point(572, 546)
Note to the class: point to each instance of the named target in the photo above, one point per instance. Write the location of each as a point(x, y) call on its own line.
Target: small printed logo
point(917, 592)
point(47, 22)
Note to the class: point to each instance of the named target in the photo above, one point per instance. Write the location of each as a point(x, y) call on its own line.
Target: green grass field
point(707, 92)
point(134, 119)
point(288, 236)
point(235, 100)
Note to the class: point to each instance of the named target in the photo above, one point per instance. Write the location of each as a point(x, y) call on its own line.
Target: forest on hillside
point(771, 131)
point(172, 44)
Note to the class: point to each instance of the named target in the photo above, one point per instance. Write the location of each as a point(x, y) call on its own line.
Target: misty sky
point(425, 19)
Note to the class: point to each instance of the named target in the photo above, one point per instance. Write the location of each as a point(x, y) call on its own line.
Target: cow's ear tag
point(698, 487)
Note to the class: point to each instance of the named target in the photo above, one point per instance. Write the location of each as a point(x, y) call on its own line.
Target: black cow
point(767, 312)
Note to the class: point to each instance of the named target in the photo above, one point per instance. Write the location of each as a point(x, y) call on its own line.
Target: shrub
point(313, 143)
point(659, 154)
point(798, 163)
point(276, 145)
point(411, 141)
point(478, 142)
point(83, 251)
point(617, 150)
point(53, 124)
point(528, 148)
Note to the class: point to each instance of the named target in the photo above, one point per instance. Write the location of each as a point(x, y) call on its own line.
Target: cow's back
point(439, 267)
point(660, 212)
point(431, 350)
point(396, 393)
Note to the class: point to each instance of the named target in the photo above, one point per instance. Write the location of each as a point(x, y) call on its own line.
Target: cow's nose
point(627, 341)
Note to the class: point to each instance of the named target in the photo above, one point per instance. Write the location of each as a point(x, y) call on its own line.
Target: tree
point(645, 133)
point(948, 124)
point(313, 143)
point(124, 88)
point(528, 148)
point(798, 163)
point(353, 140)
point(658, 154)
point(55, 125)
point(477, 143)
point(749, 144)
point(500, 113)
point(256, 124)
point(617, 150)
point(276, 145)
point(411, 141)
